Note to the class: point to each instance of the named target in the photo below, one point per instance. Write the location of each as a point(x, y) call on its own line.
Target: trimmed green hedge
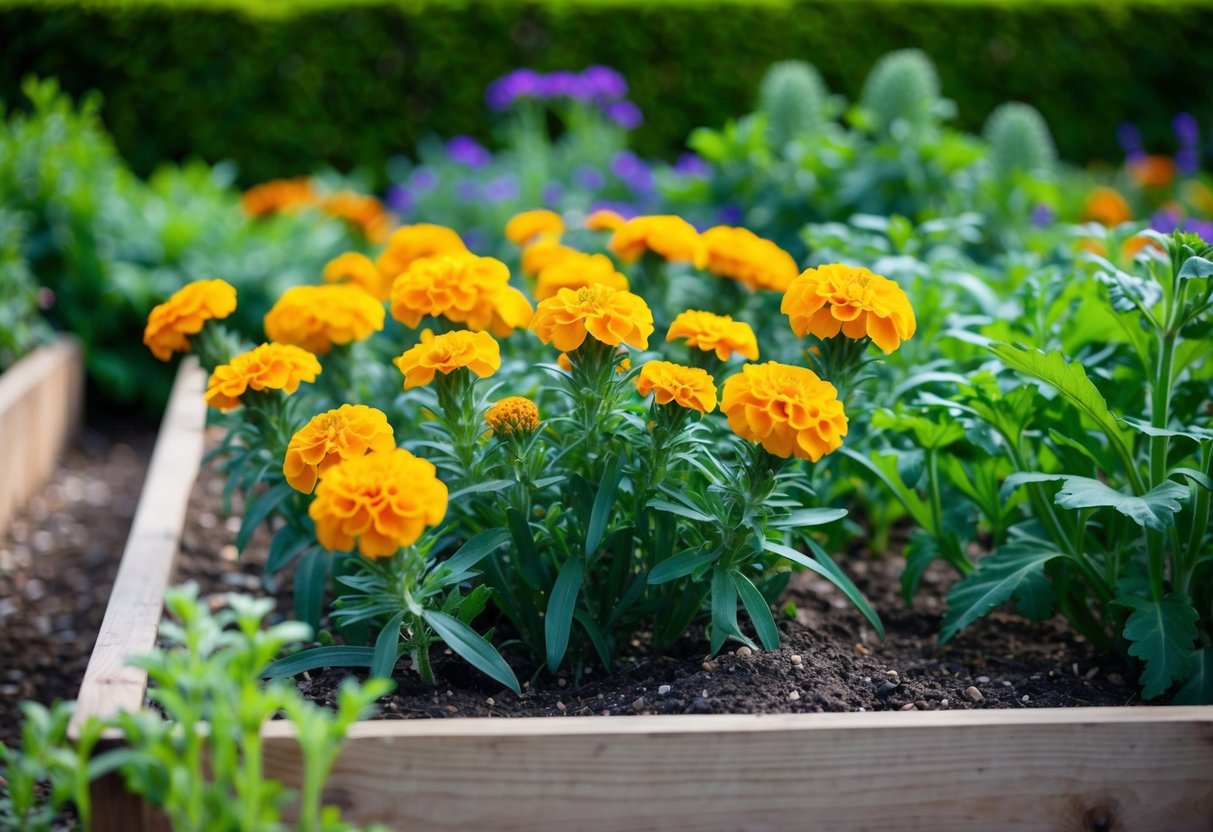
point(352, 86)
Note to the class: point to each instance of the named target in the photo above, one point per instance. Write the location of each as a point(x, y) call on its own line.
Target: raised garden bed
point(40, 403)
point(1049, 768)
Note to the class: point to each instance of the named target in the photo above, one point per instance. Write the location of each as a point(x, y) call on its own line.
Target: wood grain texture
point(1054, 769)
point(40, 403)
point(133, 614)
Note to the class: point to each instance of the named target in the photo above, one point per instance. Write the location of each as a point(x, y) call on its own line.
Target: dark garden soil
point(831, 660)
point(57, 564)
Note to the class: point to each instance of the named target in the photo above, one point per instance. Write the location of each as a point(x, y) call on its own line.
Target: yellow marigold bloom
point(364, 212)
point(267, 367)
point(1152, 171)
point(672, 237)
point(1199, 194)
point(384, 501)
point(410, 243)
point(1107, 207)
point(623, 366)
point(563, 362)
point(527, 226)
point(463, 288)
point(690, 387)
point(604, 219)
point(539, 255)
point(350, 431)
point(317, 317)
point(853, 300)
point(358, 270)
point(578, 270)
point(477, 351)
point(278, 195)
point(511, 415)
point(612, 316)
point(185, 313)
point(742, 255)
point(715, 333)
point(789, 410)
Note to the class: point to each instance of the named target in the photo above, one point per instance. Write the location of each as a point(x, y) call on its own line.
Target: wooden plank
point(40, 403)
point(135, 606)
point(1048, 769)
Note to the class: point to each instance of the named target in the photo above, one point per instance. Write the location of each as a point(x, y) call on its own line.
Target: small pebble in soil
point(560, 706)
point(982, 680)
point(892, 674)
point(920, 704)
point(663, 690)
point(794, 696)
point(797, 659)
point(700, 705)
point(490, 701)
point(945, 703)
point(973, 694)
point(638, 705)
point(708, 666)
point(886, 688)
point(909, 706)
point(1024, 698)
point(744, 652)
point(862, 650)
point(562, 682)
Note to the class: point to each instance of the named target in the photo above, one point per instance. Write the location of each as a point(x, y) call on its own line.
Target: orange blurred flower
point(349, 431)
point(612, 316)
point(714, 333)
point(604, 219)
point(476, 351)
point(1107, 207)
point(789, 410)
point(267, 367)
point(185, 313)
point(463, 288)
point(278, 195)
point(543, 253)
point(575, 271)
point(358, 270)
point(319, 317)
point(526, 227)
point(410, 243)
point(742, 255)
point(364, 212)
point(1152, 171)
point(672, 237)
point(851, 300)
point(689, 387)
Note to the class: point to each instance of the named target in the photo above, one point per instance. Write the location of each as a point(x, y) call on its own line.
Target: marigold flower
point(267, 367)
point(564, 363)
point(715, 333)
point(317, 317)
point(278, 195)
point(384, 501)
point(850, 299)
point(1107, 207)
point(185, 313)
point(477, 351)
point(364, 212)
point(742, 255)
point(672, 237)
point(525, 227)
point(604, 219)
point(690, 387)
point(357, 270)
point(349, 431)
point(511, 415)
point(463, 288)
point(410, 243)
point(578, 270)
point(539, 255)
point(612, 316)
point(1152, 171)
point(789, 410)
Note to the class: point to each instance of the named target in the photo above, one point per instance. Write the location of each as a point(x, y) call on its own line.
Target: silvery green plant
point(1020, 141)
point(795, 101)
point(903, 86)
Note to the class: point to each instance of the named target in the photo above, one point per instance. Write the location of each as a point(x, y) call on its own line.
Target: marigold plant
point(278, 195)
point(852, 300)
point(1107, 207)
point(604, 219)
point(267, 367)
point(478, 352)
point(349, 431)
point(611, 316)
point(718, 334)
point(464, 288)
point(689, 387)
point(318, 318)
point(512, 416)
point(667, 236)
point(742, 255)
point(575, 271)
point(789, 410)
point(185, 313)
point(359, 270)
point(529, 225)
point(410, 243)
point(539, 255)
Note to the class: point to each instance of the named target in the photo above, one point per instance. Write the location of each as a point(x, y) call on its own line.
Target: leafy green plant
point(21, 326)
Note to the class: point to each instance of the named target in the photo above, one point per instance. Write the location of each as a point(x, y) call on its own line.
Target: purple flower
point(553, 193)
point(562, 84)
point(1202, 228)
point(692, 165)
point(1164, 221)
point(1187, 161)
point(730, 214)
point(623, 209)
point(633, 170)
point(400, 200)
point(502, 188)
point(465, 150)
point(1186, 129)
point(602, 82)
point(1042, 215)
point(513, 85)
point(588, 178)
point(1129, 137)
point(423, 179)
point(624, 113)
point(475, 239)
point(468, 190)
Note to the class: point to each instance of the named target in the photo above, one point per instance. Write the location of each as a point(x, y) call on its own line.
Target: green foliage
point(1019, 141)
point(47, 774)
point(794, 99)
point(21, 327)
point(903, 86)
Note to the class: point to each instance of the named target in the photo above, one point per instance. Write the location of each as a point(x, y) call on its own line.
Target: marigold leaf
point(340, 655)
point(758, 609)
point(472, 647)
point(559, 619)
point(386, 648)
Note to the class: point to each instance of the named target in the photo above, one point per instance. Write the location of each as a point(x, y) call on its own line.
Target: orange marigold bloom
point(539, 255)
point(789, 410)
point(1107, 207)
point(463, 288)
point(357, 270)
point(317, 317)
point(853, 300)
point(278, 195)
point(511, 415)
point(410, 243)
point(477, 351)
point(347, 432)
point(612, 316)
point(362, 211)
point(672, 237)
point(267, 367)
point(563, 362)
point(742, 255)
point(604, 219)
point(1152, 171)
point(525, 227)
point(384, 501)
point(690, 387)
point(185, 313)
point(577, 270)
point(715, 333)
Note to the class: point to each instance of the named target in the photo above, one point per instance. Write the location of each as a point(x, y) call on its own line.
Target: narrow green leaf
point(284, 548)
point(559, 619)
point(920, 551)
point(681, 511)
point(1198, 690)
point(1163, 635)
point(724, 609)
point(824, 566)
point(759, 611)
point(683, 563)
point(472, 552)
point(597, 637)
point(338, 655)
point(526, 553)
point(480, 488)
point(806, 517)
point(472, 647)
point(386, 645)
point(260, 509)
point(604, 501)
point(311, 579)
point(1014, 570)
point(884, 466)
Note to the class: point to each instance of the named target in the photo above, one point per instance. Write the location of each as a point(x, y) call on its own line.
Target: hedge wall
point(351, 86)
